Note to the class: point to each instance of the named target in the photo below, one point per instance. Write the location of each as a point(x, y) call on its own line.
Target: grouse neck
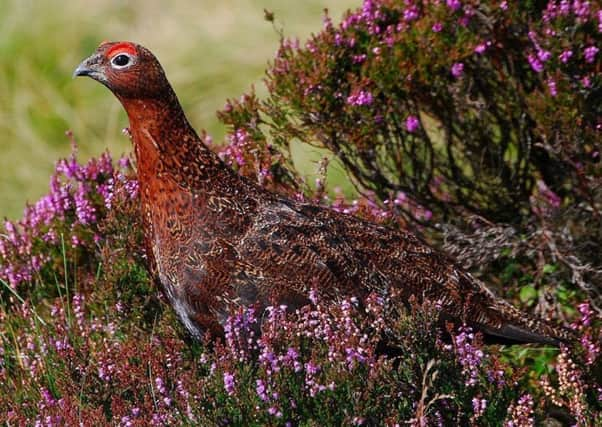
point(160, 120)
point(165, 142)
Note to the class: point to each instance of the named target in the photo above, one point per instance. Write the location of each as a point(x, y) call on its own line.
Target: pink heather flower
point(543, 55)
point(521, 414)
point(565, 7)
point(581, 9)
point(78, 310)
point(124, 162)
point(84, 209)
point(260, 389)
point(160, 385)
point(600, 21)
point(400, 199)
point(586, 313)
point(235, 150)
point(479, 406)
point(592, 349)
point(504, 5)
point(586, 82)
point(454, 4)
point(437, 27)
point(229, 383)
point(590, 53)
point(275, 412)
point(338, 39)
point(457, 69)
point(412, 123)
point(358, 59)
point(362, 97)
point(565, 56)
point(468, 355)
point(410, 13)
point(552, 87)
point(482, 47)
point(535, 63)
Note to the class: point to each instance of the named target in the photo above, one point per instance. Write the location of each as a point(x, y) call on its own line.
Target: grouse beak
point(90, 67)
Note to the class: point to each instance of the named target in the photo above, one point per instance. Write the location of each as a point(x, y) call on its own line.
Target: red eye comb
point(123, 47)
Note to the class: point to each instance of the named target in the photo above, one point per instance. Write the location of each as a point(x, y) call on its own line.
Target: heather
point(474, 124)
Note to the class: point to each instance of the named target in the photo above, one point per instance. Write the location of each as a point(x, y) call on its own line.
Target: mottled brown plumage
point(217, 240)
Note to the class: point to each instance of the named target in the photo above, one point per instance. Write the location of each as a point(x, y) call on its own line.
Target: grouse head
point(129, 70)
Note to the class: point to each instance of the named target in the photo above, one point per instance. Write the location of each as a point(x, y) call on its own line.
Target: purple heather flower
point(105, 371)
point(504, 5)
point(565, 7)
point(400, 199)
point(521, 414)
point(78, 310)
point(586, 314)
point(590, 53)
point(338, 39)
point(235, 150)
point(565, 56)
point(410, 13)
point(482, 47)
point(269, 360)
point(454, 4)
point(437, 27)
point(478, 406)
point(358, 59)
point(543, 55)
point(362, 97)
point(586, 82)
point(469, 356)
point(275, 412)
point(412, 123)
point(229, 383)
point(124, 162)
point(427, 215)
point(160, 385)
point(552, 87)
point(260, 389)
point(312, 368)
point(353, 356)
point(581, 9)
point(457, 70)
point(591, 347)
point(84, 209)
point(535, 63)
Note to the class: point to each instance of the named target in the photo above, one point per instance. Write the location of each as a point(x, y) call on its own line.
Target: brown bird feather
point(217, 240)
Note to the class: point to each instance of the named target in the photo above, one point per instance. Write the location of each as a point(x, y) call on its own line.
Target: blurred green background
point(211, 51)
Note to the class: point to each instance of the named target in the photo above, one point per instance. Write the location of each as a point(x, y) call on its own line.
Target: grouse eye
point(121, 60)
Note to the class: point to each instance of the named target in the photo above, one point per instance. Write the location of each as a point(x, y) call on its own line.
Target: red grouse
point(217, 240)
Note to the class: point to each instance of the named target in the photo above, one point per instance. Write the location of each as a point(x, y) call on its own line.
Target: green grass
point(210, 52)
